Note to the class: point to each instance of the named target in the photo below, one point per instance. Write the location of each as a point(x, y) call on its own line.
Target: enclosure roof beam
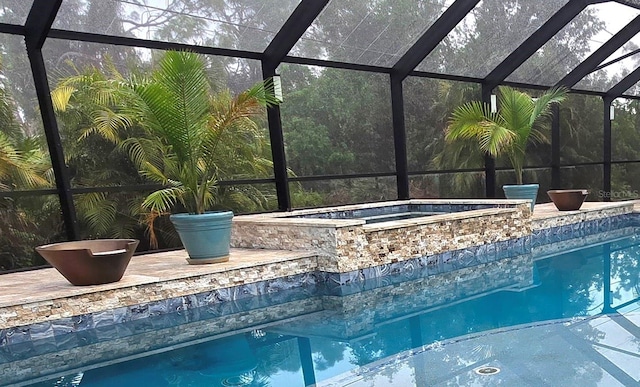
point(432, 37)
point(12, 29)
point(630, 3)
point(535, 41)
point(292, 30)
point(625, 84)
point(607, 49)
point(39, 21)
point(151, 44)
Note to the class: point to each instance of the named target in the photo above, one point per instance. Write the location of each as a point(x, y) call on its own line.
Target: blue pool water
point(334, 334)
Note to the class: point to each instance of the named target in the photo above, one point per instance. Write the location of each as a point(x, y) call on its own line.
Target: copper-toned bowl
point(568, 199)
point(90, 262)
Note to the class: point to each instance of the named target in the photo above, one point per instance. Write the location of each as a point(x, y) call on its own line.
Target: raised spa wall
point(347, 245)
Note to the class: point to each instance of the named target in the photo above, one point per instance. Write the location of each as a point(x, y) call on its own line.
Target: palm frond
point(542, 106)
point(163, 200)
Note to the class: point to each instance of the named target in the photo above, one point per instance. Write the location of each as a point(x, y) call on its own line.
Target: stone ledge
point(44, 295)
point(547, 216)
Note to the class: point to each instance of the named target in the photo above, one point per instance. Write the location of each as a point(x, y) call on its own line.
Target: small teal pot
point(522, 191)
point(206, 237)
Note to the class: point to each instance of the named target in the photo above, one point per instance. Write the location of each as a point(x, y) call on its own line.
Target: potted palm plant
point(174, 127)
point(186, 124)
point(506, 132)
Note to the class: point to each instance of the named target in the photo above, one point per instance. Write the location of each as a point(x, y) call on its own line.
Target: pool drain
point(487, 370)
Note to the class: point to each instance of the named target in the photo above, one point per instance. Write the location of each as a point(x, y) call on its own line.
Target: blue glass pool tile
point(206, 298)
point(87, 337)
point(178, 303)
point(83, 322)
point(517, 246)
point(481, 254)
point(69, 340)
point(396, 268)
point(158, 307)
point(536, 234)
point(448, 261)
point(105, 333)
point(124, 330)
point(3, 337)
point(423, 208)
point(139, 311)
point(378, 271)
point(41, 330)
point(17, 335)
point(5, 356)
point(21, 350)
point(121, 314)
point(351, 277)
point(466, 258)
point(225, 295)
point(188, 302)
point(435, 263)
point(527, 243)
point(104, 318)
point(540, 239)
point(492, 252)
point(248, 290)
point(44, 346)
point(62, 326)
point(503, 249)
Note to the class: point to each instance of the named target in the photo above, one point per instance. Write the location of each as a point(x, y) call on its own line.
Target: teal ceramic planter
point(206, 237)
point(522, 191)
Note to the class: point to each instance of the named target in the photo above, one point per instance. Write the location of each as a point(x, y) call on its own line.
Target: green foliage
point(186, 124)
point(508, 131)
point(176, 131)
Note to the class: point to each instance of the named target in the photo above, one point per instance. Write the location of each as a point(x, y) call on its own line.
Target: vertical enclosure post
point(399, 137)
point(489, 162)
point(555, 147)
point(277, 148)
point(37, 26)
point(606, 175)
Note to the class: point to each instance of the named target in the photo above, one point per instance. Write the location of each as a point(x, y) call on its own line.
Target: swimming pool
point(333, 333)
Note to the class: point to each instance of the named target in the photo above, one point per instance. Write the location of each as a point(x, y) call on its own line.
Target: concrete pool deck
point(44, 295)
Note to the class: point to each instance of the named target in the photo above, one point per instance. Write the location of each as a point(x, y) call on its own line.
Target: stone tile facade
point(166, 295)
point(346, 245)
point(588, 212)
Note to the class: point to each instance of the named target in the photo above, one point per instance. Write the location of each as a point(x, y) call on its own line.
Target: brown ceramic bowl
point(568, 199)
point(90, 262)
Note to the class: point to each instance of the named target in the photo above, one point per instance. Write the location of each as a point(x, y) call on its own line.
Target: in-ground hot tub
point(353, 238)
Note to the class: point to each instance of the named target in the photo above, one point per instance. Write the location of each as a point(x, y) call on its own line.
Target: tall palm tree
point(507, 131)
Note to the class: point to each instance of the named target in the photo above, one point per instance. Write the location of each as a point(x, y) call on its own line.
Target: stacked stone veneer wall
point(87, 310)
point(345, 245)
point(560, 219)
